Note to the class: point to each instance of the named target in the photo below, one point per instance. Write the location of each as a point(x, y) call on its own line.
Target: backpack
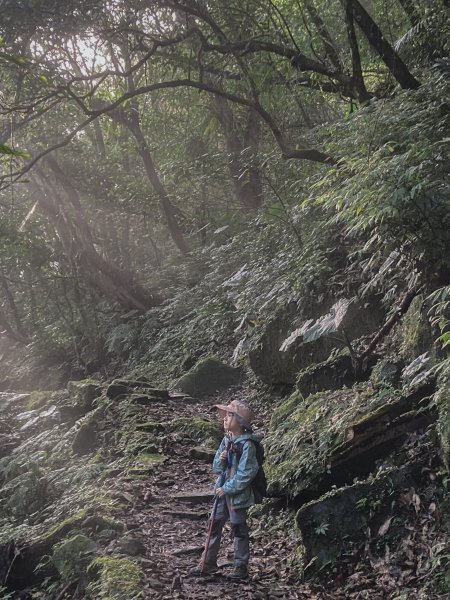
point(259, 483)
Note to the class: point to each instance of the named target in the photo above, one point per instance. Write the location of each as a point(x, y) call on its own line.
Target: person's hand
point(220, 492)
point(223, 455)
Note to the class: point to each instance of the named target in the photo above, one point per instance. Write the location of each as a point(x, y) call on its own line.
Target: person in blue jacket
point(233, 488)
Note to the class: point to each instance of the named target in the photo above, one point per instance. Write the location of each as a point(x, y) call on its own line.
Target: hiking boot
point(208, 569)
point(239, 572)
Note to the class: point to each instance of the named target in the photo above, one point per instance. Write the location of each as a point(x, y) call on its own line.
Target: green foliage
point(305, 432)
point(442, 404)
point(392, 184)
point(118, 579)
point(313, 330)
point(122, 338)
point(440, 313)
point(322, 528)
point(11, 152)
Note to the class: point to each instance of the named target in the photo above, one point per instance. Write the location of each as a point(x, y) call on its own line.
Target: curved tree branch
point(287, 151)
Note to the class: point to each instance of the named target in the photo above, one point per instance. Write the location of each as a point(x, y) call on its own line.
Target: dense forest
point(204, 200)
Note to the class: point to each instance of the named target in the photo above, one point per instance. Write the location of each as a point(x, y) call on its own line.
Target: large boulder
point(207, 377)
point(275, 366)
point(72, 556)
point(345, 521)
point(83, 393)
point(332, 437)
point(332, 374)
point(85, 439)
point(120, 388)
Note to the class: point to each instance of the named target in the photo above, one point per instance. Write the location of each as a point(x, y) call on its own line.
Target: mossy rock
point(83, 393)
point(387, 373)
point(7, 444)
point(115, 579)
point(39, 399)
point(97, 523)
point(23, 571)
point(414, 334)
point(85, 439)
point(131, 545)
point(59, 530)
point(198, 429)
point(144, 399)
point(150, 427)
point(117, 390)
point(207, 377)
point(120, 388)
point(72, 556)
point(151, 459)
point(333, 437)
point(274, 366)
point(337, 524)
point(331, 374)
point(202, 453)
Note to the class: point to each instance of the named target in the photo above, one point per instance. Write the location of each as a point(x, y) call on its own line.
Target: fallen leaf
point(384, 528)
point(416, 502)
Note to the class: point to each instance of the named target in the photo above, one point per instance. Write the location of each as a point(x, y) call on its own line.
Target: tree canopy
point(135, 132)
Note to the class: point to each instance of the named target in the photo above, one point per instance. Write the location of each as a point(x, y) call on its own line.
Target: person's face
point(229, 422)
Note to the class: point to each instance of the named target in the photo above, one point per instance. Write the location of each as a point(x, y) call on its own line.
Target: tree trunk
point(246, 179)
point(330, 50)
point(378, 42)
point(99, 140)
point(18, 324)
point(357, 77)
point(11, 332)
point(132, 122)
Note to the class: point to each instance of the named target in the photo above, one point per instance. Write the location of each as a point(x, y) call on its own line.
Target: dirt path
point(173, 531)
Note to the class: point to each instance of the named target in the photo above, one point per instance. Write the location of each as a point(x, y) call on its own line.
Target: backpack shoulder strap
point(239, 446)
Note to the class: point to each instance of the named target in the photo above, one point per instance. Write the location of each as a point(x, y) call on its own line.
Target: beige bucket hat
point(244, 413)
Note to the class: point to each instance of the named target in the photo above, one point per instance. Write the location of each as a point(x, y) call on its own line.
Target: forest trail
point(173, 531)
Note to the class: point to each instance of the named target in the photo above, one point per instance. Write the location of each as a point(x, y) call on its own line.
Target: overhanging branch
point(287, 151)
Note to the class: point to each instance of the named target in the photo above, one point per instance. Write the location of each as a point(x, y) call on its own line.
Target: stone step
point(191, 516)
point(194, 497)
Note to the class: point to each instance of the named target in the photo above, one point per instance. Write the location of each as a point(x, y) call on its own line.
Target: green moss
point(40, 399)
point(197, 428)
point(306, 433)
point(64, 526)
point(151, 459)
point(100, 522)
point(72, 556)
point(118, 579)
point(85, 389)
point(208, 376)
point(414, 332)
point(150, 426)
point(285, 409)
point(37, 400)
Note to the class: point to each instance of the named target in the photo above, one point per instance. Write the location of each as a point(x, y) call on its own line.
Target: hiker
point(236, 464)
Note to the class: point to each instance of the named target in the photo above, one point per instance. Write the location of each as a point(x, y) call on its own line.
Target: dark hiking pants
point(238, 519)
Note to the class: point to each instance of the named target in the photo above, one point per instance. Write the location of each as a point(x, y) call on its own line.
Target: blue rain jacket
point(238, 482)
